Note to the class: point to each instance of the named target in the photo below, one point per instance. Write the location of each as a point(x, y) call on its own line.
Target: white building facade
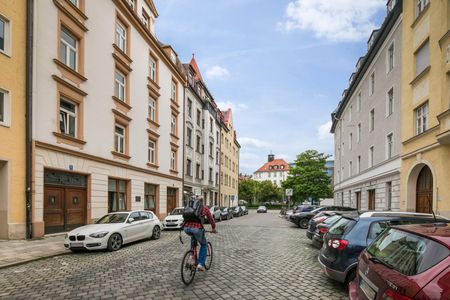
point(275, 170)
point(366, 124)
point(202, 163)
point(108, 113)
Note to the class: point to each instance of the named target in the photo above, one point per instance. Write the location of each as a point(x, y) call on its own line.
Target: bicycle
point(190, 259)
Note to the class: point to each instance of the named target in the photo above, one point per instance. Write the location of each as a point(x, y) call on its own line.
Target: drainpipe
point(29, 114)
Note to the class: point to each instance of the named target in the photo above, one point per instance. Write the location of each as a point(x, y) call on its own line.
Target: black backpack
point(193, 211)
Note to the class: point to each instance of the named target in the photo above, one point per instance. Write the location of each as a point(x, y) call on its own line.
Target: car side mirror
point(130, 220)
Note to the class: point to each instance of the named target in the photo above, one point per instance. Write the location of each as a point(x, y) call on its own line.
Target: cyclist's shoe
point(201, 268)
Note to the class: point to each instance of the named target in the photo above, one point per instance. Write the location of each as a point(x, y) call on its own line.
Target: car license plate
point(76, 245)
point(367, 290)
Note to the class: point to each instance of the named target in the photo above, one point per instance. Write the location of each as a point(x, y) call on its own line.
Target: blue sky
point(280, 64)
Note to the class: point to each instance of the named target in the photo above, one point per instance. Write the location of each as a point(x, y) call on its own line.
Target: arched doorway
point(424, 191)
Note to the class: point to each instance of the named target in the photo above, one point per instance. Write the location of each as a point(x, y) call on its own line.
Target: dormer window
point(282, 167)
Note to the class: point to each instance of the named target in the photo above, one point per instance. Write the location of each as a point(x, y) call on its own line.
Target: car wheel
point(350, 276)
point(303, 223)
point(156, 234)
point(115, 242)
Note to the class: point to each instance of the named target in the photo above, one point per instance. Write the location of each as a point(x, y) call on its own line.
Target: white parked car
point(174, 219)
point(114, 230)
point(216, 213)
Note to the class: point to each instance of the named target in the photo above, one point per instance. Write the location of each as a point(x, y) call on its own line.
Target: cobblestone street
point(259, 256)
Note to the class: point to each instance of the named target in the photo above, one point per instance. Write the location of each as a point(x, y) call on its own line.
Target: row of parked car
point(381, 254)
point(174, 220)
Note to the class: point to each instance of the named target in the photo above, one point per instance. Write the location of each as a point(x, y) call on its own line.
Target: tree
point(247, 190)
point(259, 191)
point(308, 178)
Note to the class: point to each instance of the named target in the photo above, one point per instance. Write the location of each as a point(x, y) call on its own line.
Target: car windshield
point(113, 218)
point(177, 211)
point(262, 207)
point(342, 226)
point(407, 253)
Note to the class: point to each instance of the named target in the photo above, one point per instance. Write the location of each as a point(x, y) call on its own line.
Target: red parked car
point(405, 262)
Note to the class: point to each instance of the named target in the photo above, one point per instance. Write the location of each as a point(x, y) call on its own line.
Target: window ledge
point(152, 122)
point(70, 70)
point(419, 17)
point(122, 104)
point(174, 136)
point(174, 102)
point(120, 155)
point(154, 166)
point(173, 172)
point(73, 141)
point(420, 75)
point(418, 136)
point(125, 55)
point(153, 82)
point(5, 124)
point(5, 53)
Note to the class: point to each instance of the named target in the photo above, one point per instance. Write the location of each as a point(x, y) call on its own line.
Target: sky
point(281, 65)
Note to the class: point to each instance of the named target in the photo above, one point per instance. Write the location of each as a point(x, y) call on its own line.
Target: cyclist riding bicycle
point(193, 226)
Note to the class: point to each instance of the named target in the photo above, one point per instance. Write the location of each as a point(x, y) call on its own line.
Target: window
point(210, 174)
point(350, 168)
point(152, 69)
point(152, 109)
point(119, 140)
point(117, 195)
point(189, 137)
point(422, 118)
point(199, 117)
point(390, 58)
point(390, 102)
point(173, 160)
point(68, 49)
point(371, 156)
point(152, 152)
point(67, 117)
point(211, 149)
point(372, 120)
point(145, 19)
point(197, 144)
point(421, 4)
point(350, 141)
point(131, 4)
point(120, 86)
point(358, 133)
point(389, 145)
point(217, 157)
point(358, 164)
point(372, 84)
point(173, 125)
point(4, 35)
point(173, 94)
point(197, 171)
point(4, 108)
point(422, 58)
point(189, 108)
point(211, 129)
point(217, 178)
point(358, 102)
point(121, 36)
point(389, 195)
point(188, 167)
point(150, 197)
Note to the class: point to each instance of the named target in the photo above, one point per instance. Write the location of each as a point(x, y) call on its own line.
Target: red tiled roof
point(227, 115)
point(198, 75)
point(276, 162)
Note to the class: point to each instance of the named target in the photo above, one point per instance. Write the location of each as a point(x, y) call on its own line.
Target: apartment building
point(108, 122)
point(366, 124)
point(202, 163)
point(12, 119)
point(229, 170)
point(425, 135)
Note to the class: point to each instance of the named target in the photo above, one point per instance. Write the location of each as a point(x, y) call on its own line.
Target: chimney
point(271, 157)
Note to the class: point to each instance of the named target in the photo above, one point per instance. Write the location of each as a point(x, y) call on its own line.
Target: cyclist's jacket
point(204, 213)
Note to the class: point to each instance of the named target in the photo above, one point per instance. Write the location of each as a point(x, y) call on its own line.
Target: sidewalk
point(15, 252)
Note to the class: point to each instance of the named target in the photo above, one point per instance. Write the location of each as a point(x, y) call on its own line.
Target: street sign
point(289, 192)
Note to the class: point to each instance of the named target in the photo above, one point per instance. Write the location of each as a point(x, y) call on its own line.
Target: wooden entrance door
point(424, 191)
point(371, 199)
point(64, 208)
point(171, 199)
point(358, 200)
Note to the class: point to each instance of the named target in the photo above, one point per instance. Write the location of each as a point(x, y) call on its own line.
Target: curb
point(22, 262)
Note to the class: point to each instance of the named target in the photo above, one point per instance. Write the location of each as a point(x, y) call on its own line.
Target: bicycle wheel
point(188, 267)
point(209, 256)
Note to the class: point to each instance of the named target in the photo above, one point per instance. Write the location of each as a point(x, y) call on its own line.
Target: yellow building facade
point(229, 168)
point(425, 110)
point(12, 119)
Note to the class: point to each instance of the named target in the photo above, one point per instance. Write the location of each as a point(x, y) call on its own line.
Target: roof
point(269, 166)
point(198, 74)
point(227, 115)
point(439, 231)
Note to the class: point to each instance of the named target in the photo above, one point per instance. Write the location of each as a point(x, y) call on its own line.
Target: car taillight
point(319, 220)
point(338, 244)
point(390, 294)
point(323, 230)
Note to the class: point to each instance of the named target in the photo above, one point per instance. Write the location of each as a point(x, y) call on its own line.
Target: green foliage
point(255, 192)
point(308, 177)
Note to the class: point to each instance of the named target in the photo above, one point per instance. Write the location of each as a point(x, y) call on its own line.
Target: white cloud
point(217, 72)
point(252, 142)
point(324, 131)
point(224, 105)
point(334, 20)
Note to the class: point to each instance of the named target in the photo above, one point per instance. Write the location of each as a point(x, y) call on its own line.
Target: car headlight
point(99, 235)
